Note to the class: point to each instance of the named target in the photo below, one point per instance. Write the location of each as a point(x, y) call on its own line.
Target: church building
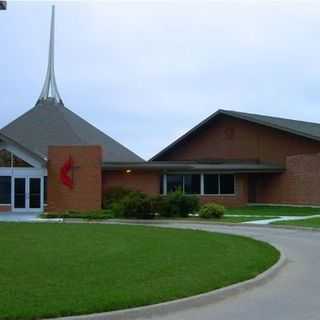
point(53, 160)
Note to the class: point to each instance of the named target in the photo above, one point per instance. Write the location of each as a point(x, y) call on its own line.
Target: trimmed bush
point(176, 204)
point(114, 195)
point(134, 205)
point(212, 210)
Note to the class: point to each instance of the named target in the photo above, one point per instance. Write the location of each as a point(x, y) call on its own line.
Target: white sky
point(145, 72)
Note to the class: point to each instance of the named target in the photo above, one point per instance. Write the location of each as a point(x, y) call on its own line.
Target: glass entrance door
point(34, 193)
point(20, 193)
point(27, 193)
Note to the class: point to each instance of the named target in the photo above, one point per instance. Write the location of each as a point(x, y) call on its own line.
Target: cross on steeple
point(50, 89)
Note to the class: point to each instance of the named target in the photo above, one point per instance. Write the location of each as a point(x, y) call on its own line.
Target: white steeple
point(50, 89)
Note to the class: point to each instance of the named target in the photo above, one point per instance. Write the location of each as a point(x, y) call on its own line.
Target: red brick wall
point(86, 193)
point(145, 181)
point(300, 184)
point(5, 208)
point(149, 183)
point(235, 139)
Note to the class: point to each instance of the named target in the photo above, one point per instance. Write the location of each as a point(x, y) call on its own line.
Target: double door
point(27, 193)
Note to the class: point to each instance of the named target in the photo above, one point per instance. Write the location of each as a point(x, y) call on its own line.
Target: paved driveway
point(294, 294)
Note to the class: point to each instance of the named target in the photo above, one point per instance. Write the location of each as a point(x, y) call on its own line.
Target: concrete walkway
point(292, 295)
point(24, 217)
point(280, 218)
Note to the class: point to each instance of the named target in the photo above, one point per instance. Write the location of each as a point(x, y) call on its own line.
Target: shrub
point(134, 205)
point(177, 204)
point(212, 210)
point(114, 195)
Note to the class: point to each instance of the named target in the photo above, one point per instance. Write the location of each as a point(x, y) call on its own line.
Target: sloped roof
point(305, 129)
point(51, 123)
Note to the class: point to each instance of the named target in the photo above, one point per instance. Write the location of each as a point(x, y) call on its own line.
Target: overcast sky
point(146, 72)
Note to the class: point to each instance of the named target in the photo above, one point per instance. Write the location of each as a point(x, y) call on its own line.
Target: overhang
point(166, 166)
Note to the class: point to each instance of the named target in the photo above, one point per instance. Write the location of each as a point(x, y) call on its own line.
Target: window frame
point(202, 174)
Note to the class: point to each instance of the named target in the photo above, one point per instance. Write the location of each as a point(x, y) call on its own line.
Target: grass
point(273, 211)
point(51, 270)
point(310, 223)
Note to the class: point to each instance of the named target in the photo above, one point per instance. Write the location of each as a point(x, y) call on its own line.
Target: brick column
point(85, 193)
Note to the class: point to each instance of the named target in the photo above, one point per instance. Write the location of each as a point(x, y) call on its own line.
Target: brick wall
point(299, 184)
point(5, 208)
point(149, 183)
point(228, 138)
point(145, 181)
point(86, 193)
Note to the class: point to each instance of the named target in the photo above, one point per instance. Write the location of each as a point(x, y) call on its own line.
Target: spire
point(50, 89)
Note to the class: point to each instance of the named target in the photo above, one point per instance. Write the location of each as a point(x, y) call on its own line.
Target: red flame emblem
point(65, 176)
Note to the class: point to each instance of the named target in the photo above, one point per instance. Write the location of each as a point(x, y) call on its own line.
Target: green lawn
point(273, 211)
point(312, 223)
point(50, 270)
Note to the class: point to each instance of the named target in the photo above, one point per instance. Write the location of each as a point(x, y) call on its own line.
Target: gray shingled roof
point(50, 123)
point(305, 129)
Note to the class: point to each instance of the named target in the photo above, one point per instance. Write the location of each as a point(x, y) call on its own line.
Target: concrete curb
point(189, 302)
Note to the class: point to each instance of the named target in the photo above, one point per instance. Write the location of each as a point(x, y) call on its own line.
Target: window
point(8, 159)
point(174, 183)
point(211, 183)
point(161, 184)
point(17, 162)
point(45, 189)
point(5, 190)
point(227, 184)
point(191, 184)
point(219, 184)
point(5, 158)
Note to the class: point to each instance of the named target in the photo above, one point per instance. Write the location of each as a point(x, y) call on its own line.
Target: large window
point(174, 182)
point(206, 184)
point(189, 183)
point(211, 184)
point(192, 184)
point(227, 184)
point(220, 184)
point(5, 190)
